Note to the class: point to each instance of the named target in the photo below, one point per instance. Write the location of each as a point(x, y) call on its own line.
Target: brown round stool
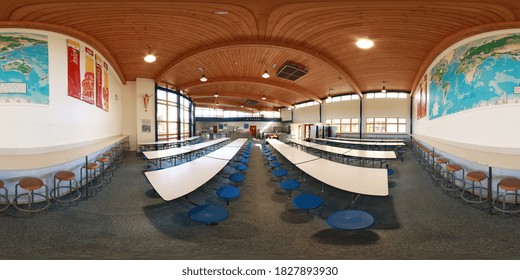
point(469, 193)
point(110, 157)
point(31, 184)
point(70, 193)
point(510, 186)
point(106, 173)
point(439, 172)
point(450, 183)
point(5, 196)
point(91, 181)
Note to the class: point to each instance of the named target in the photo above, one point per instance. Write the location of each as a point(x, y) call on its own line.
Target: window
point(388, 94)
point(306, 104)
point(173, 115)
point(338, 98)
point(344, 125)
point(386, 125)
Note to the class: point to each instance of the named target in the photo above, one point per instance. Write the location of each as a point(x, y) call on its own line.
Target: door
point(307, 131)
point(252, 130)
point(215, 129)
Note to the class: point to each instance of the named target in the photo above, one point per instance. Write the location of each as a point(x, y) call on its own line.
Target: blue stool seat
point(280, 172)
point(228, 192)
point(244, 160)
point(241, 167)
point(246, 155)
point(237, 178)
point(271, 158)
point(390, 171)
point(275, 164)
point(208, 214)
point(289, 185)
point(307, 201)
point(350, 220)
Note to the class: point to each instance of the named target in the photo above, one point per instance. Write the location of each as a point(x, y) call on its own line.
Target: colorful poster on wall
point(478, 74)
point(73, 69)
point(421, 98)
point(88, 82)
point(99, 82)
point(106, 94)
point(24, 69)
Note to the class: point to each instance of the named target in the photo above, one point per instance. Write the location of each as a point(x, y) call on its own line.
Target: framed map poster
point(24, 69)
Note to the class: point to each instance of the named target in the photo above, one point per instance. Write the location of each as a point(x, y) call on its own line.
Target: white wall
point(66, 120)
point(493, 128)
point(145, 86)
point(286, 114)
point(260, 126)
point(129, 102)
point(386, 107)
point(340, 110)
point(309, 114)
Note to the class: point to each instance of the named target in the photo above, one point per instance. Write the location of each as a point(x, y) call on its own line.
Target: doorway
point(252, 130)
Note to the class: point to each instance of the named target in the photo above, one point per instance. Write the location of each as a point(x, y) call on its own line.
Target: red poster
point(74, 76)
point(88, 82)
point(105, 86)
point(99, 82)
point(421, 103)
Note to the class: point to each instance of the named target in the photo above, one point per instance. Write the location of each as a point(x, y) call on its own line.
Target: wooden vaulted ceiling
point(234, 49)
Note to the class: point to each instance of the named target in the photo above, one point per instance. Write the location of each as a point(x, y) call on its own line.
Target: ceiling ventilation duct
point(291, 72)
point(250, 103)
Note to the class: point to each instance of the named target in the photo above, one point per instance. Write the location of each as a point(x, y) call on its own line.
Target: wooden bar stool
point(469, 193)
point(105, 172)
point(71, 192)
point(450, 183)
point(31, 184)
point(510, 186)
point(91, 180)
point(5, 197)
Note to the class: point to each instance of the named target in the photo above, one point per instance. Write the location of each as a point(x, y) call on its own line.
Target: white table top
point(173, 141)
point(331, 149)
point(361, 180)
point(371, 154)
point(237, 143)
point(303, 143)
point(292, 154)
point(205, 144)
point(367, 140)
point(361, 143)
point(177, 151)
point(177, 181)
point(41, 160)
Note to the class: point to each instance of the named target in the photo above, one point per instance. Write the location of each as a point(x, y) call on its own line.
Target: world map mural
point(478, 74)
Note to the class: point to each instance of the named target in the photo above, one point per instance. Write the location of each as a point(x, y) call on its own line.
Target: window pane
point(345, 121)
point(392, 95)
point(355, 97)
point(391, 120)
point(402, 128)
point(345, 128)
point(370, 127)
point(379, 127)
point(391, 128)
point(356, 120)
point(403, 95)
point(369, 95)
point(370, 120)
point(161, 127)
point(380, 120)
point(336, 98)
point(354, 128)
point(172, 113)
point(328, 121)
point(402, 120)
point(346, 97)
point(172, 128)
point(336, 121)
point(161, 94)
point(161, 112)
point(380, 95)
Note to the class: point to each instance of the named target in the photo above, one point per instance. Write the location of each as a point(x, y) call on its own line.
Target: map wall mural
point(478, 74)
point(24, 69)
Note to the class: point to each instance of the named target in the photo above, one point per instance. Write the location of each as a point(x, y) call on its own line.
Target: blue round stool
point(280, 173)
point(237, 178)
point(289, 185)
point(307, 201)
point(208, 214)
point(244, 161)
point(350, 220)
point(241, 167)
point(271, 158)
point(228, 192)
point(246, 155)
point(275, 164)
point(390, 171)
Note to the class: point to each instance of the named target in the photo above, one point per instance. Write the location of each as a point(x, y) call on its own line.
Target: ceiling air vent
point(250, 103)
point(291, 72)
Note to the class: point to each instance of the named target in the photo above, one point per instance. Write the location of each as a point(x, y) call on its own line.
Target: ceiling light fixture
point(149, 57)
point(203, 78)
point(329, 98)
point(266, 75)
point(216, 94)
point(383, 90)
point(365, 43)
point(263, 97)
point(221, 12)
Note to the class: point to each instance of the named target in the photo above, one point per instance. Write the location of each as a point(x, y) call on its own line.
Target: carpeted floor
point(128, 220)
